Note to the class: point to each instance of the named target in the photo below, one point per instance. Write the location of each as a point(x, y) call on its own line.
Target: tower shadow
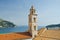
point(24, 33)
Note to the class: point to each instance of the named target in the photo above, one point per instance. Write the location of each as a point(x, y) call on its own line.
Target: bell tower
point(33, 22)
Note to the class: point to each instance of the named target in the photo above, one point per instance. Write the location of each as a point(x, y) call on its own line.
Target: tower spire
point(32, 7)
point(32, 10)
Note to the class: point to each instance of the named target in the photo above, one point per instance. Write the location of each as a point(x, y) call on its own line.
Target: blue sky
point(17, 11)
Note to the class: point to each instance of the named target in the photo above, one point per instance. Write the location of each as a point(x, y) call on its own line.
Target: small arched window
point(34, 19)
point(34, 27)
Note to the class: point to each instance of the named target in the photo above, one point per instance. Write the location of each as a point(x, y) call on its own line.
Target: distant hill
point(53, 25)
point(4, 23)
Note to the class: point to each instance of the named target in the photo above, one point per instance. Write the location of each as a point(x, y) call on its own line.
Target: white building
point(33, 22)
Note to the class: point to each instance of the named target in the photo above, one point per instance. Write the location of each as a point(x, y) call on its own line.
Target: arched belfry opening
point(35, 27)
point(34, 19)
point(32, 10)
point(33, 22)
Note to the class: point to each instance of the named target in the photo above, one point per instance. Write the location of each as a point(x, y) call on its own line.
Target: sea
point(15, 29)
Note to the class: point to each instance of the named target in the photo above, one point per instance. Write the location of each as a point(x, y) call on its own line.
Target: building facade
point(33, 22)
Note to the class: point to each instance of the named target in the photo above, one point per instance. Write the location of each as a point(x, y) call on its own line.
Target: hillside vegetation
point(53, 25)
point(4, 23)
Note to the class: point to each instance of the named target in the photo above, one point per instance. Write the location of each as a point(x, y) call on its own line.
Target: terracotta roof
point(51, 34)
point(12, 36)
point(45, 34)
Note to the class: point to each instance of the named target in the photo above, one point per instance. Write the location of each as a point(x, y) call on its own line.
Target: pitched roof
point(17, 35)
point(45, 34)
point(51, 34)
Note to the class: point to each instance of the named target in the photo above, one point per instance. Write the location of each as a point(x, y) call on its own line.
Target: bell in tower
point(33, 22)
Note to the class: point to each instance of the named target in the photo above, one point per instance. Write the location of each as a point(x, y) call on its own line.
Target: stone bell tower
point(33, 22)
